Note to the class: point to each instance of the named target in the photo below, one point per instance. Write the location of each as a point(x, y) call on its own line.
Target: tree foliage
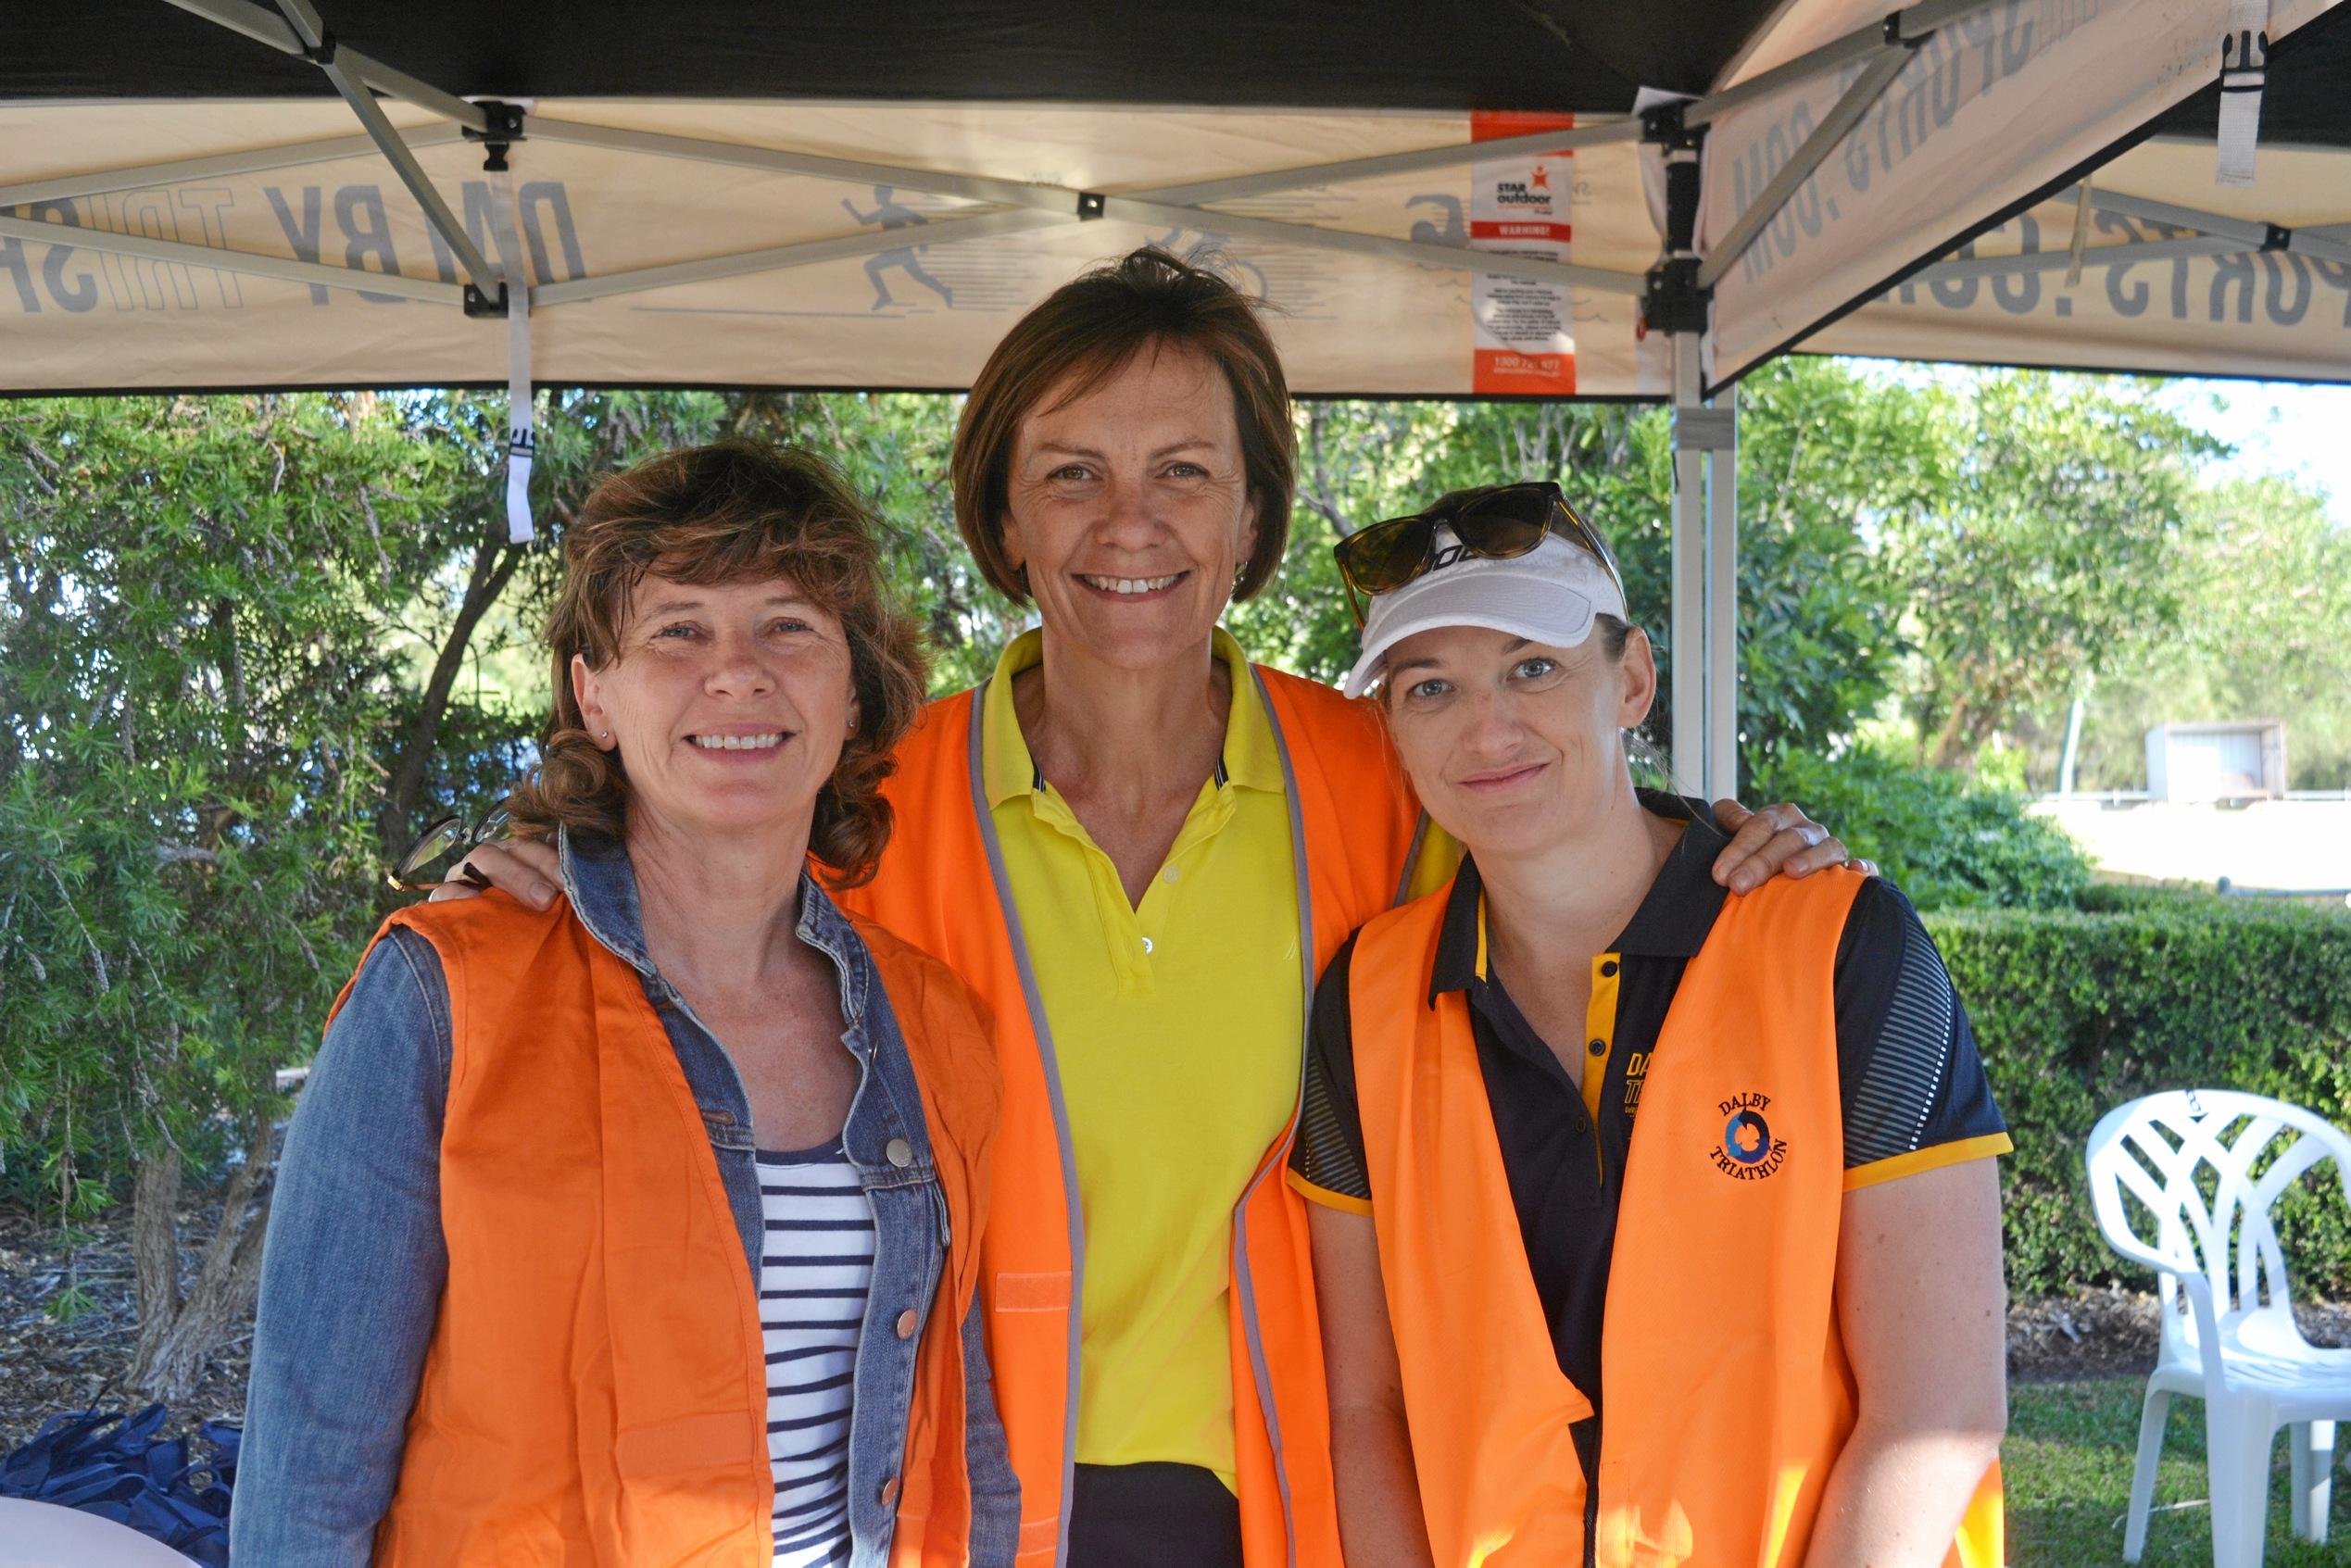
point(2053, 546)
point(233, 632)
point(1823, 451)
point(2264, 632)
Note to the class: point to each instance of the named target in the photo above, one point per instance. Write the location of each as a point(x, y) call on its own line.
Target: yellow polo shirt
point(1177, 1028)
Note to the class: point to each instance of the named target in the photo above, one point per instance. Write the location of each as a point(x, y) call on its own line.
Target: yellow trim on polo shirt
point(1600, 1031)
point(1175, 1027)
point(1326, 1198)
point(1957, 1153)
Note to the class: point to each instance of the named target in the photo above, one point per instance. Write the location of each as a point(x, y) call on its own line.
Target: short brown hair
point(1088, 331)
point(733, 511)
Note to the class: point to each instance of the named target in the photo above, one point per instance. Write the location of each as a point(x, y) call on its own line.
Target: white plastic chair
point(2205, 1166)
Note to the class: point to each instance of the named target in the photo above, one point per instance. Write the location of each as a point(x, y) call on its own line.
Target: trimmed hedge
point(1948, 841)
point(2077, 1012)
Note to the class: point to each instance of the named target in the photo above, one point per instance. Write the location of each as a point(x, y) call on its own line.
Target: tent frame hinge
point(479, 303)
point(2276, 236)
point(1089, 206)
point(1667, 126)
point(1674, 301)
point(506, 128)
point(1897, 39)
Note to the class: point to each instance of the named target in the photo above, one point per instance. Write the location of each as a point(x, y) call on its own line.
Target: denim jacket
point(354, 1265)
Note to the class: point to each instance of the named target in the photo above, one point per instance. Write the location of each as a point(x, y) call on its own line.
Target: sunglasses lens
point(1505, 522)
point(1386, 556)
point(1584, 533)
point(438, 840)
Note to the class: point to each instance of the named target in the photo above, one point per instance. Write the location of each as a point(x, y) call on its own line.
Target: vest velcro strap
point(1032, 1292)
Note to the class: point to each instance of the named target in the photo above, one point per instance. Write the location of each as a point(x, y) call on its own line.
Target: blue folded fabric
point(113, 1466)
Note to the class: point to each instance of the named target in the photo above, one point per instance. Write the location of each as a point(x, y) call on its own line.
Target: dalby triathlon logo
point(1749, 1152)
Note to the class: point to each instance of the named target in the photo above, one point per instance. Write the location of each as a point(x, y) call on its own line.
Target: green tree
point(2052, 550)
point(235, 632)
point(2264, 633)
point(1825, 453)
point(189, 790)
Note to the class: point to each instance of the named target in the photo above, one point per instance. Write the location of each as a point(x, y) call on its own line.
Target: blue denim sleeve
point(996, 1491)
point(351, 1273)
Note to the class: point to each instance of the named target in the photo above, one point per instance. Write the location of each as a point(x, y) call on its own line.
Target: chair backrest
point(41, 1535)
point(2205, 1165)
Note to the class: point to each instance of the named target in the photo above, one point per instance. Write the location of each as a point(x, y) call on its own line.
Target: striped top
point(816, 1266)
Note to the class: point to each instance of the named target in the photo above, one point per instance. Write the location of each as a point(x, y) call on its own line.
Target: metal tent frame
point(1676, 294)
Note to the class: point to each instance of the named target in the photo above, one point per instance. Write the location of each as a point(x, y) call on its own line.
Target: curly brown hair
point(1084, 332)
point(731, 511)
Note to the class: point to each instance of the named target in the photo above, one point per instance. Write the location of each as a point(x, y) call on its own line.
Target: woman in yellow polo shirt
point(1656, 1222)
point(1140, 848)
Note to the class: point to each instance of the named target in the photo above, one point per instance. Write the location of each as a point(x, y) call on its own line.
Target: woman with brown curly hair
point(644, 1229)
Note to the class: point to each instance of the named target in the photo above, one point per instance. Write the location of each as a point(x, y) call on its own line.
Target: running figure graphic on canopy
point(892, 214)
point(1209, 251)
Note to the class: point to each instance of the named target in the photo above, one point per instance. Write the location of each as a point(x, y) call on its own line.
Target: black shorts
point(1152, 1516)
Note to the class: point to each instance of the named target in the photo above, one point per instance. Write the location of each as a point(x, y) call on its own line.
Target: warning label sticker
point(1524, 340)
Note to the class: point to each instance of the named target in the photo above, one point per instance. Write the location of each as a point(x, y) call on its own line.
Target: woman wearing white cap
point(1586, 1133)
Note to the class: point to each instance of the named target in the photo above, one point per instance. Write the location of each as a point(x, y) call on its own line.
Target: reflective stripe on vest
point(1352, 823)
point(596, 1388)
point(1729, 1397)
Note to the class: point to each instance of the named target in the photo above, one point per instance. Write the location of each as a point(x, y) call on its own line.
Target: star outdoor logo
point(1748, 1151)
point(1542, 178)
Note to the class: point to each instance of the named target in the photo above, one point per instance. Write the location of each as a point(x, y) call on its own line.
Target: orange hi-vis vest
point(942, 887)
point(1729, 1395)
point(596, 1387)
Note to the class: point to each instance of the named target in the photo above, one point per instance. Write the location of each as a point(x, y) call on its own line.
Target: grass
point(2068, 1465)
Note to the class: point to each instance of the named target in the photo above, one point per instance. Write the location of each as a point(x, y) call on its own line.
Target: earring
point(604, 735)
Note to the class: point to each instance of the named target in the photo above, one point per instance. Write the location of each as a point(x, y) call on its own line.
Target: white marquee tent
point(1501, 198)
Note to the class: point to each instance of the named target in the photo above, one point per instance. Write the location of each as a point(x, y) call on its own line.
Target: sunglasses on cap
point(1499, 524)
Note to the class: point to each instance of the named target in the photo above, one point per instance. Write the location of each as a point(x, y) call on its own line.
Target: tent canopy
point(1499, 197)
point(867, 194)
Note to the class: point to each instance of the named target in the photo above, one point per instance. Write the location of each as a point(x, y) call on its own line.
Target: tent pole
point(288, 155)
point(1598, 133)
point(265, 26)
point(2320, 240)
point(430, 289)
point(777, 259)
point(1907, 26)
point(1688, 595)
point(320, 49)
point(1066, 201)
point(436, 210)
point(1823, 140)
point(1722, 601)
point(1129, 210)
point(739, 155)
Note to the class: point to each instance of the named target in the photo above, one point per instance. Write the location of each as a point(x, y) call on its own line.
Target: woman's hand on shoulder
point(527, 869)
point(1778, 840)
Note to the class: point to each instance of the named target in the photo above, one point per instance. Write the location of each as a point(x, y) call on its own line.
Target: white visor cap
point(1552, 595)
